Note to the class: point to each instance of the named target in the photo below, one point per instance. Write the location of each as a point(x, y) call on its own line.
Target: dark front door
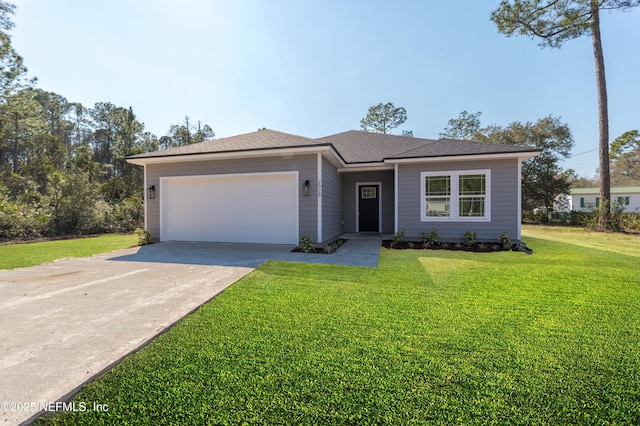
point(369, 208)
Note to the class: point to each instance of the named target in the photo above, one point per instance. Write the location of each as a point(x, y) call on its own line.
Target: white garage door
point(242, 208)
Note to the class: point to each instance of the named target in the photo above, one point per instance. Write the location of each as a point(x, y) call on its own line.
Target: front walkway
point(357, 251)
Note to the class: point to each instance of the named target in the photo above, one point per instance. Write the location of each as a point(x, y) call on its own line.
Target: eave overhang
point(521, 156)
point(365, 167)
point(327, 150)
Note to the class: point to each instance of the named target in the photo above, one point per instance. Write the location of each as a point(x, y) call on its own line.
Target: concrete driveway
point(63, 323)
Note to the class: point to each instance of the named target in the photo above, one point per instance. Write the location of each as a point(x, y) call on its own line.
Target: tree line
point(62, 164)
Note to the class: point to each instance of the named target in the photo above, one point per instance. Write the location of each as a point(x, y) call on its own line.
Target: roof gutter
point(365, 167)
point(521, 156)
point(275, 152)
point(328, 150)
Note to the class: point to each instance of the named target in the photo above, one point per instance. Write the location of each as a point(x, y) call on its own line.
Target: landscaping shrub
point(329, 248)
point(144, 237)
point(505, 241)
point(430, 239)
point(470, 238)
point(306, 241)
point(307, 246)
point(398, 237)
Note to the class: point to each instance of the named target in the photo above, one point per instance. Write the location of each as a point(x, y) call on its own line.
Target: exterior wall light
point(305, 188)
point(151, 192)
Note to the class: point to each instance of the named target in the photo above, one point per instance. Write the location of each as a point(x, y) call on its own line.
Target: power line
point(580, 153)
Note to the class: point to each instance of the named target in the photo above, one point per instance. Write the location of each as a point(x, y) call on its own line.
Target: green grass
point(430, 337)
point(30, 254)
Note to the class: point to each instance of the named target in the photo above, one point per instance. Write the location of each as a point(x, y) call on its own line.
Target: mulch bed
point(333, 246)
point(478, 247)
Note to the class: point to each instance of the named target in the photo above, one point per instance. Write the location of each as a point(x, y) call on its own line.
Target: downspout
point(519, 216)
point(395, 198)
point(319, 191)
point(144, 197)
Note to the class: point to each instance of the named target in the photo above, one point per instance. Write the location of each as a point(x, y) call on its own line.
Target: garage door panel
point(237, 208)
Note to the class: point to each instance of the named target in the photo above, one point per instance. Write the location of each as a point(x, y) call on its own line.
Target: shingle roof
point(453, 147)
point(353, 146)
point(614, 190)
point(360, 147)
point(262, 139)
point(364, 147)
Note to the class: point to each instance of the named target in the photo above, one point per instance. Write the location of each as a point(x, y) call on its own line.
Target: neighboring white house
point(587, 199)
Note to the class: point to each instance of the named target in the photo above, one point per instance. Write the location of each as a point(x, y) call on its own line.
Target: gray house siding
point(332, 210)
point(350, 179)
point(504, 194)
point(306, 165)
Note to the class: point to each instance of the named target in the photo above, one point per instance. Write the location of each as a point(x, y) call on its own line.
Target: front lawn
point(430, 337)
point(31, 254)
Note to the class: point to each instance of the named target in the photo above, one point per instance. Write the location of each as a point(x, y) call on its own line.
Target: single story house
point(587, 199)
point(273, 187)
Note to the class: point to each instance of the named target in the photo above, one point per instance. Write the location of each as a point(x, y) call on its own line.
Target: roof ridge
point(379, 135)
point(427, 142)
point(286, 133)
point(260, 130)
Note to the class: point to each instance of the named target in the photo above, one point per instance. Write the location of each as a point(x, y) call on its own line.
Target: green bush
point(75, 208)
point(633, 222)
point(580, 218)
point(127, 215)
point(398, 237)
point(470, 238)
point(20, 221)
point(306, 241)
point(505, 241)
point(430, 239)
point(619, 220)
point(10, 220)
point(144, 237)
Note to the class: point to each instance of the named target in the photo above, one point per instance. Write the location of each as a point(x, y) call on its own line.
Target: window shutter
point(597, 202)
point(626, 201)
point(581, 201)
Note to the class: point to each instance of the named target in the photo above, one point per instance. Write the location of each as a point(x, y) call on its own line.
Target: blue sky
point(314, 68)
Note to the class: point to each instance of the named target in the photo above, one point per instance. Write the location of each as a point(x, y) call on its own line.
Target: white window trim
point(454, 201)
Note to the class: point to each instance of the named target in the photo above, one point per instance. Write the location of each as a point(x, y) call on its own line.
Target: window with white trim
point(463, 195)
